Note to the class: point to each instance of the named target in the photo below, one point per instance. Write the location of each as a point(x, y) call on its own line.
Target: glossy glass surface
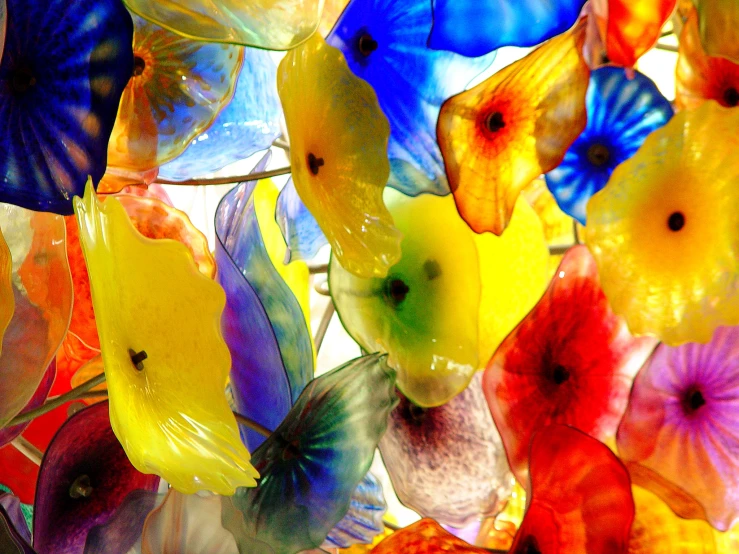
point(339, 170)
point(85, 476)
point(677, 435)
point(411, 80)
point(8, 434)
point(177, 89)
point(719, 22)
point(62, 73)
point(250, 122)
point(476, 27)
point(448, 463)
point(425, 537)
point(570, 361)
point(363, 522)
point(665, 230)
point(269, 24)
point(622, 110)
point(299, 228)
point(700, 77)
point(181, 427)
point(580, 496)
point(7, 300)
point(16, 514)
point(500, 135)
point(311, 465)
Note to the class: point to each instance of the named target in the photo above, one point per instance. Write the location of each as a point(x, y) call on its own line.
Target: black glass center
point(396, 290)
point(416, 413)
point(21, 80)
point(138, 65)
point(529, 546)
point(366, 44)
point(598, 154)
point(314, 163)
point(81, 487)
point(291, 450)
point(676, 221)
point(432, 269)
point(693, 400)
point(495, 122)
point(560, 375)
point(137, 358)
point(731, 97)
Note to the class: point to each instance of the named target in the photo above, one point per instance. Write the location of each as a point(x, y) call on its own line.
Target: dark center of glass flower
point(529, 546)
point(731, 97)
point(314, 163)
point(560, 375)
point(495, 122)
point(81, 487)
point(432, 269)
point(291, 450)
point(137, 358)
point(676, 221)
point(693, 400)
point(396, 290)
point(417, 414)
point(138, 65)
point(366, 44)
point(598, 154)
point(21, 79)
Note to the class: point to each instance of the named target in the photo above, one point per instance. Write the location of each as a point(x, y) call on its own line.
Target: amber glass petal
point(498, 136)
point(448, 463)
point(665, 229)
point(338, 154)
point(7, 301)
point(570, 361)
point(269, 24)
point(700, 77)
point(580, 497)
point(166, 363)
point(425, 537)
point(7, 434)
point(177, 89)
point(42, 290)
point(719, 27)
point(679, 434)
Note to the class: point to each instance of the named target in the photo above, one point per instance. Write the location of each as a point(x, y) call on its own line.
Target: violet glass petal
point(39, 397)
point(248, 124)
point(11, 541)
point(16, 515)
point(313, 462)
point(85, 476)
point(448, 463)
point(300, 229)
point(680, 433)
point(385, 43)
point(363, 522)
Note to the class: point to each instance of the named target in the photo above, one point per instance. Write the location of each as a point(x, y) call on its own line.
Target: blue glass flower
point(476, 27)
point(248, 124)
point(385, 43)
point(62, 74)
point(300, 229)
point(621, 113)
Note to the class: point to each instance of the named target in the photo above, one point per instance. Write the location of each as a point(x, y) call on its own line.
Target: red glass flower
point(425, 537)
point(570, 361)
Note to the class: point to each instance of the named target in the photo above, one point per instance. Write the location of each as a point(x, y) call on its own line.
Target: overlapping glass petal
point(339, 169)
point(500, 135)
point(363, 522)
point(300, 230)
point(476, 27)
point(622, 110)
point(384, 42)
point(665, 229)
point(719, 32)
point(62, 73)
point(425, 537)
point(7, 434)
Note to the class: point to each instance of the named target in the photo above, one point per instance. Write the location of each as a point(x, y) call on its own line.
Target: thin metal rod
point(28, 450)
point(279, 143)
point(318, 269)
point(666, 47)
point(559, 250)
point(227, 180)
point(253, 425)
point(323, 325)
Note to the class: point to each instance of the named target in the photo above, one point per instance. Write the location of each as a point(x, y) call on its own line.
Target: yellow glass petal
point(338, 154)
point(331, 11)
point(171, 416)
point(657, 530)
point(500, 135)
point(514, 272)
point(7, 300)
point(665, 229)
point(719, 27)
point(269, 24)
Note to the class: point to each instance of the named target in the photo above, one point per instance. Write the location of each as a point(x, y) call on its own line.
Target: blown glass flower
point(62, 73)
point(500, 135)
point(580, 496)
point(700, 77)
point(425, 537)
point(476, 27)
point(447, 463)
point(677, 436)
point(268, 24)
point(166, 363)
point(630, 27)
point(570, 361)
point(85, 476)
point(39, 397)
point(299, 228)
point(718, 27)
point(665, 229)
point(177, 89)
point(339, 169)
point(384, 42)
point(364, 520)
point(622, 110)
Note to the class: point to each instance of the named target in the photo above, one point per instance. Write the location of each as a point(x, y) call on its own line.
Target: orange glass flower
point(700, 77)
point(665, 229)
point(498, 136)
point(630, 27)
point(719, 27)
point(425, 537)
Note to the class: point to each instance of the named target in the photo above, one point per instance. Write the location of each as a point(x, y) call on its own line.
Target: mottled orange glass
point(699, 77)
point(425, 537)
point(500, 135)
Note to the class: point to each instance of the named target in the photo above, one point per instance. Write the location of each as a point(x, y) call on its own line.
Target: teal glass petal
point(385, 43)
point(363, 522)
point(312, 464)
point(300, 229)
point(248, 124)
